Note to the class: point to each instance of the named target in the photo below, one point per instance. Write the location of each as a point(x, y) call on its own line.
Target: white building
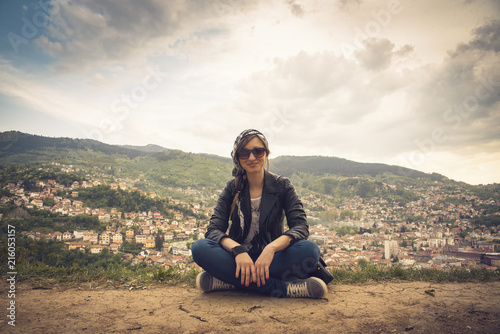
point(390, 248)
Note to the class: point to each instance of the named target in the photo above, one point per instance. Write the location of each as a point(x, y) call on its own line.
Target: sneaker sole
point(322, 283)
point(198, 280)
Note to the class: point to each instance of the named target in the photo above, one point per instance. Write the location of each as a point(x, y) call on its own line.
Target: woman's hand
point(245, 267)
point(262, 265)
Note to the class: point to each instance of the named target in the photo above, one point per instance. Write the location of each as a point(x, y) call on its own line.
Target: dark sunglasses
point(257, 152)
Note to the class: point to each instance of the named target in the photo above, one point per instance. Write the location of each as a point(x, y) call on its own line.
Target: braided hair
point(239, 173)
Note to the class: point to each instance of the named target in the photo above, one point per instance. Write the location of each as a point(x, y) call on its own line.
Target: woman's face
point(253, 164)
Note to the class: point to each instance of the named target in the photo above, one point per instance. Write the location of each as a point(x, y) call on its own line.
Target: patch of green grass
point(371, 273)
point(42, 275)
point(174, 275)
point(39, 274)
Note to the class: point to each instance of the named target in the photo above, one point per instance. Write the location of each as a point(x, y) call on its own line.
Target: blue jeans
point(295, 262)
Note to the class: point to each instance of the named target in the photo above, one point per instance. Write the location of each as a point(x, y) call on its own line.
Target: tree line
point(54, 254)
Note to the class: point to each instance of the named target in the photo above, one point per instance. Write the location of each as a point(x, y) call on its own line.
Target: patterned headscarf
point(237, 169)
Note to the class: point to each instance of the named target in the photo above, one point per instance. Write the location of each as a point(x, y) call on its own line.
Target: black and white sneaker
point(311, 287)
point(207, 283)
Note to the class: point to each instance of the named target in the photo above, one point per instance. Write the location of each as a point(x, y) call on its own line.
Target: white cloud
point(96, 33)
point(279, 66)
point(462, 96)
point(325, 97)
point(376, 55)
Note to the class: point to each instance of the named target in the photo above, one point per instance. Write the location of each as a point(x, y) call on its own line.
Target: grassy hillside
point(156, 167)
point(341, 188)
point(178, 169)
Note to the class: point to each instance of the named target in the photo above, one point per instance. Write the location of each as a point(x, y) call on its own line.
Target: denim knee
point(311, 254)
point(199, 247)
point(310, 248)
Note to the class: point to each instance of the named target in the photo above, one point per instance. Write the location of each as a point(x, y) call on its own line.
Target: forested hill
point(18, 147)
point(14, 143)
point(319, 165)
point(150, 148)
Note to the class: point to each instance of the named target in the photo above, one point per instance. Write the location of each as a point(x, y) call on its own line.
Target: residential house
point(104, 217)
point(104, 239)
point(138, 259)
point(117, 238)
point(37, 203)
point(91, 237)
point(77, 245)
point(78, 234)
point(150, 243)
point(67, 236)
point(181, 251)
point(113, 248)
point(140, 239)
point(96, 249)
point(66, 202)
point(57, 236)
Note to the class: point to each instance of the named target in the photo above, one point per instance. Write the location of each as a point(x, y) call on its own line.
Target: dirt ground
point(413, 307)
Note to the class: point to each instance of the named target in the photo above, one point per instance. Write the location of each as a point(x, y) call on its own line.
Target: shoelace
point(297, 290)
point(218, 284)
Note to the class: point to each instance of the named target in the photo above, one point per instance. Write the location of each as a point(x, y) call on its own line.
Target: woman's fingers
point(247, 277)
point(263, 274)
point(246, 268)
point(237, 270)
point(253, 270)
point(262, 264)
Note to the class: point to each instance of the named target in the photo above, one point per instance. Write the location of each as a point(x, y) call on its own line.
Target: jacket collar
point(270, 183)
point(269, 196)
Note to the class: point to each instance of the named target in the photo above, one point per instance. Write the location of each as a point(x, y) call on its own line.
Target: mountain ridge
point(12, 142)
point(319, 165)
point(149, 148)
point(17, 147)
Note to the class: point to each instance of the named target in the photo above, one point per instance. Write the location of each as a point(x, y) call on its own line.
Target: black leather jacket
point(279, 199)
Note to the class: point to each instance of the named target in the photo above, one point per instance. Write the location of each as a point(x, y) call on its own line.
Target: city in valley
point(435, 231)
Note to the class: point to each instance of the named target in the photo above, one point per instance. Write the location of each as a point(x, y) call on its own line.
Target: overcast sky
point(409, 83)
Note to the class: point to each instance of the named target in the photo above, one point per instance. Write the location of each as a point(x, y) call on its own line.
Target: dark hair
point(239, 173)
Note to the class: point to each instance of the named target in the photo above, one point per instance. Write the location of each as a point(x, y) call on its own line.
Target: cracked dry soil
point(414, 307)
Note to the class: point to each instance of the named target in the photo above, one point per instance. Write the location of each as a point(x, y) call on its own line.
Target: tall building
point(390, 248)
point(474, 240)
